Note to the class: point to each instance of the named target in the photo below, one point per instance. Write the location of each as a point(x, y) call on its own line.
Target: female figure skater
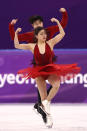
point(45, 69)
point(28, 37)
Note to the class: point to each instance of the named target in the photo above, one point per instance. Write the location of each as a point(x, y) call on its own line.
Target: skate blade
point(36, 112)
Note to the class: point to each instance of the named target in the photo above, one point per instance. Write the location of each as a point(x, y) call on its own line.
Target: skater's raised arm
point(58, 37)
point(29, 46)
point(52, 30)
point(27, 37)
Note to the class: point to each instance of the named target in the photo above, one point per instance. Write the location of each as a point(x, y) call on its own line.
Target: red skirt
point(49, 69)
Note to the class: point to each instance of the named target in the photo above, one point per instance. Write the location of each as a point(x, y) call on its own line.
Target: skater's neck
point(41, 42)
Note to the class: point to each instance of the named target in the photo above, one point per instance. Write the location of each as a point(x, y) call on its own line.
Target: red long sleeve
point(29, 36)
point(54, 29)
point(11, 31)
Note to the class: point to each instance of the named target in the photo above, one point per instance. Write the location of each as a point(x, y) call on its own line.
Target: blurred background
point(72, 49)
point(69, 108)
point(23, 9)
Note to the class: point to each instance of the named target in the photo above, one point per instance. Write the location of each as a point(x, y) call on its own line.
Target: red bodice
point(43, 59)
point(44, 66)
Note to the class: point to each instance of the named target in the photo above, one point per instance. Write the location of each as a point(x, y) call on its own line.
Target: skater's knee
point(56, 85)
point(40, 80)
point(56, 88)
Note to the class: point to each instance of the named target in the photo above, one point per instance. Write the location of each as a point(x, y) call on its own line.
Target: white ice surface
point(21, 117)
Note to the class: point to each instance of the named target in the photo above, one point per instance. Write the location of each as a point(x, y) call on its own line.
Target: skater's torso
point(45, 58)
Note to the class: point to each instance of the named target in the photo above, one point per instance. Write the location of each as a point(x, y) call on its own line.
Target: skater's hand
point(62, 9)
point(54, 20)
point(14, 21)
point(18, 30)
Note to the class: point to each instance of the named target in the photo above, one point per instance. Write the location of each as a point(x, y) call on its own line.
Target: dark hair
point(54, 58)
point(37, 30)
point(34, 18)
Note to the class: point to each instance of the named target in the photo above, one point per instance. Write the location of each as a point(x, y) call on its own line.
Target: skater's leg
point(49, 90)
point(38, 103)
point(39, 98)
point(42, 89)
point(55, 82)
point(41, 84)
point(38, 108)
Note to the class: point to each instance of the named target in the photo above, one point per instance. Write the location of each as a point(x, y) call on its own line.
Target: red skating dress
point(45, 66)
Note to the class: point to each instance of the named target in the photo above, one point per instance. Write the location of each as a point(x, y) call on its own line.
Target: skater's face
point(42, 36)
point(37, 23)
